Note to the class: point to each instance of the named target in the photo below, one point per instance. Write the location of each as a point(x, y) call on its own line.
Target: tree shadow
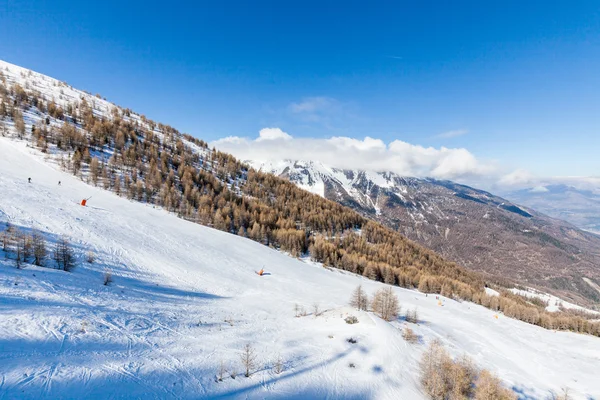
point(138, 288)
point(309, 393)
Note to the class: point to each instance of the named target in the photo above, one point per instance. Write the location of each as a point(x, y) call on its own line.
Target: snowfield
point(185, 298)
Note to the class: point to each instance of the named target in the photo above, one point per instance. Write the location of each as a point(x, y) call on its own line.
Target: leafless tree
point(385, 304)
point(39, 249)
point(63, 254)
point(359, 299)
point(248, 358)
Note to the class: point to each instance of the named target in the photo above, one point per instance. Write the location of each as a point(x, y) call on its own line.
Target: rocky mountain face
point(472, 227)
point(578, 206)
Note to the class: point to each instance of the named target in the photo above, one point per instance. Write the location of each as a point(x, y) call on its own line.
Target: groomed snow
point(185, 298)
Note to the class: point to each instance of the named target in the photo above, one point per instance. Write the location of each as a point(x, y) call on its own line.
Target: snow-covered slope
point(185, 298)
point(472, 227)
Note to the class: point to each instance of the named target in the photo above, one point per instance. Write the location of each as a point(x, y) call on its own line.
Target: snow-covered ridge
point(553, 303)
point(64, 95)
point(316, 177)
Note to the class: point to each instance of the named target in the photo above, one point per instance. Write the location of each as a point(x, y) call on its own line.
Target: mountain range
point(581, 207)
point(472, 227)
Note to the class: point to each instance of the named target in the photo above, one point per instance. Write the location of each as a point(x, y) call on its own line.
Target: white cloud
point(313, 104)
point(522, 179)
point(539, 189)
point(373, 154)
point(271, 134)
point(452, 134)
point(518, 177)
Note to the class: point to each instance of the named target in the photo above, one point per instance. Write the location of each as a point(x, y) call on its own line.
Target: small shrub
point(412, 316)
point(351, 319)
point(278, 365)
point(488, 386)
point(351, 340)
point(221, 372)
point(107, 278)
point(352, 365)
point(316, 310)
point(564, 395)
point(410, 336)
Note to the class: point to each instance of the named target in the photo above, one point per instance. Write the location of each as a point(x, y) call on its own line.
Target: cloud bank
point(273, 144)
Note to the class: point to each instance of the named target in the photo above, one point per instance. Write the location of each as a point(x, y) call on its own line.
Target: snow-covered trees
point(385, 304)
point(359, 299)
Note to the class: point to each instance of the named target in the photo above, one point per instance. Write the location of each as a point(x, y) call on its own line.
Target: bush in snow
point(317, 310)
point(221, 371)
point(488, 386)
point(385, 304)
point(412, 316)
point(351, 319)
point(278, 365)
point(445, 378)
point(107, 278)
point(564, 395)
point(410, 336)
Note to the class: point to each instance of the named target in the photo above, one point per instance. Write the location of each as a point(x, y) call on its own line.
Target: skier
point(29, 180)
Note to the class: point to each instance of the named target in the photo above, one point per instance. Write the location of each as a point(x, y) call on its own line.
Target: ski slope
point(186, 298)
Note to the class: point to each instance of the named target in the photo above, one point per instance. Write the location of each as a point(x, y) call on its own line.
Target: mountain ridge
point(472, 227)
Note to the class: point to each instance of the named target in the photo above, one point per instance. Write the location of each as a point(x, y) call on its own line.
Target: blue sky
point(516, 83)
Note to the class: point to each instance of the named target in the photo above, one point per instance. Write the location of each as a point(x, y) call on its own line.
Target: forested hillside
point(149, 162)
